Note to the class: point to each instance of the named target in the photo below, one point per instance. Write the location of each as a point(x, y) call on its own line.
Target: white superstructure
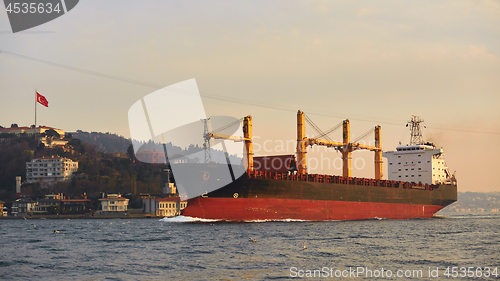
point(418, 162)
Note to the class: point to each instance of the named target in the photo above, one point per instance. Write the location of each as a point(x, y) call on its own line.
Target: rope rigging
point(367, 133)
point(327, 132)
point(228, 125)
point(316, 128)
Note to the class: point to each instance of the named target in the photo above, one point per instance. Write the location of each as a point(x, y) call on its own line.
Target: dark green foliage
point(51, 133)
point(105, 142)
point(13, 160)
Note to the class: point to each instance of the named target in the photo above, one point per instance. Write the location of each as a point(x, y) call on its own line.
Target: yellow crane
point(247, 138)
point(346, 147)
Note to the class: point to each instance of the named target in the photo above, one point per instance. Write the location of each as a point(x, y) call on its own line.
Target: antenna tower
point(416, 133)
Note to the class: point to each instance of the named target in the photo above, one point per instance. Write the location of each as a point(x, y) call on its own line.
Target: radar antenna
point(416, 133)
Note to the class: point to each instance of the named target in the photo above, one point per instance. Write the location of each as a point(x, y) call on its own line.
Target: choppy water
point(180, 249)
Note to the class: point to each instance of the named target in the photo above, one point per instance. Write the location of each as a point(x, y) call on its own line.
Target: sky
point(372, 62)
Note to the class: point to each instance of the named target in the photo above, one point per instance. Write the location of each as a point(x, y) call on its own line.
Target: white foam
point(186, 219)
point(193, 219)
point(277, 220)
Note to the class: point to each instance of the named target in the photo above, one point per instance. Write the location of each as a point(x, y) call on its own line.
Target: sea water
point(190, 249)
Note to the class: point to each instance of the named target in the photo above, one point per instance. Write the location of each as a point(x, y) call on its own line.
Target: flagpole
point(36, 144)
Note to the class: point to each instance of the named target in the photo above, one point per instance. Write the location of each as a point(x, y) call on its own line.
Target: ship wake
point(181, 219)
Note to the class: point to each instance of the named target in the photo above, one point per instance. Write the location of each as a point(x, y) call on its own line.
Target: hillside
point(100, 168)
point(104, 142)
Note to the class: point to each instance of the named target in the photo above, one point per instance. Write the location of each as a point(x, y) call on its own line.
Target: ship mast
point(416, 133)
point(206, 144)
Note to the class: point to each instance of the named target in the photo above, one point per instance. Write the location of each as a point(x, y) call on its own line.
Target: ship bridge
point(418, 162)
point(414, 147)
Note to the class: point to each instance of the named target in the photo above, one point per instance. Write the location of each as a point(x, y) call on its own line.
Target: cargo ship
point(419, 184)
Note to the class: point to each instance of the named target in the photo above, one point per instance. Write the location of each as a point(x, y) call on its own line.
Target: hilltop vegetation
point(98, 171)
point(105, 142)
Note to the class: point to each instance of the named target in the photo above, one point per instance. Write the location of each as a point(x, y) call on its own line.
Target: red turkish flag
point(42, 100)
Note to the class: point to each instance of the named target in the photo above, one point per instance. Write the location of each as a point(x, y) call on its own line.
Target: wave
point(186, 219)
point(277, 220)
point(193, 219)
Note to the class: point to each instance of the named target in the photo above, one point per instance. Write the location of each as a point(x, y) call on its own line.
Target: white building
point(169, 206)
point(51, 169)
point(114, 203)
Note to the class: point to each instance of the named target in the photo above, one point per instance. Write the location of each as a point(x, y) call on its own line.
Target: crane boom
point(346, 147)
point(247, 138)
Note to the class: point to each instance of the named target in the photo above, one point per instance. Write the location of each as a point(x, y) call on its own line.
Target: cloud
point(366, 12)
point(317, 42)
point(405, 27)
point(479, 52)
point(323, 7)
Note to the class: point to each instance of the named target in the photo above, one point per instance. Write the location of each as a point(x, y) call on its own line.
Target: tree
point(130, 152)
point(51, 134)
point(14, 125)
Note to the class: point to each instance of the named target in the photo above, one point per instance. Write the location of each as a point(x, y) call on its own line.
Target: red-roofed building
point(30, 131)
point(150, 156)
point(77, 205)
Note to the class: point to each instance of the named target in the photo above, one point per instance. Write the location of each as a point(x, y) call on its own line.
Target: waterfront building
point(22, 206)
point(1, 209)
point(75, 205)
point(169, 206)
point(148, 204)
point(113, 203)
point(50, 200)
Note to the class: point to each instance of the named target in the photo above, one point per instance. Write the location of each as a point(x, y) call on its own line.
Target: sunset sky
point(374, 62)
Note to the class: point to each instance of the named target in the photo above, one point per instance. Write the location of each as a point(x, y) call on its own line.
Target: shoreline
point(84, 216)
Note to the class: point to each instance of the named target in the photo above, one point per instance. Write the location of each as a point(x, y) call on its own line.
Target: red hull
point(247, 209)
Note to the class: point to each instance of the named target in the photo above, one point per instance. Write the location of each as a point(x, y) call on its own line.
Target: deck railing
point(337, 179)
